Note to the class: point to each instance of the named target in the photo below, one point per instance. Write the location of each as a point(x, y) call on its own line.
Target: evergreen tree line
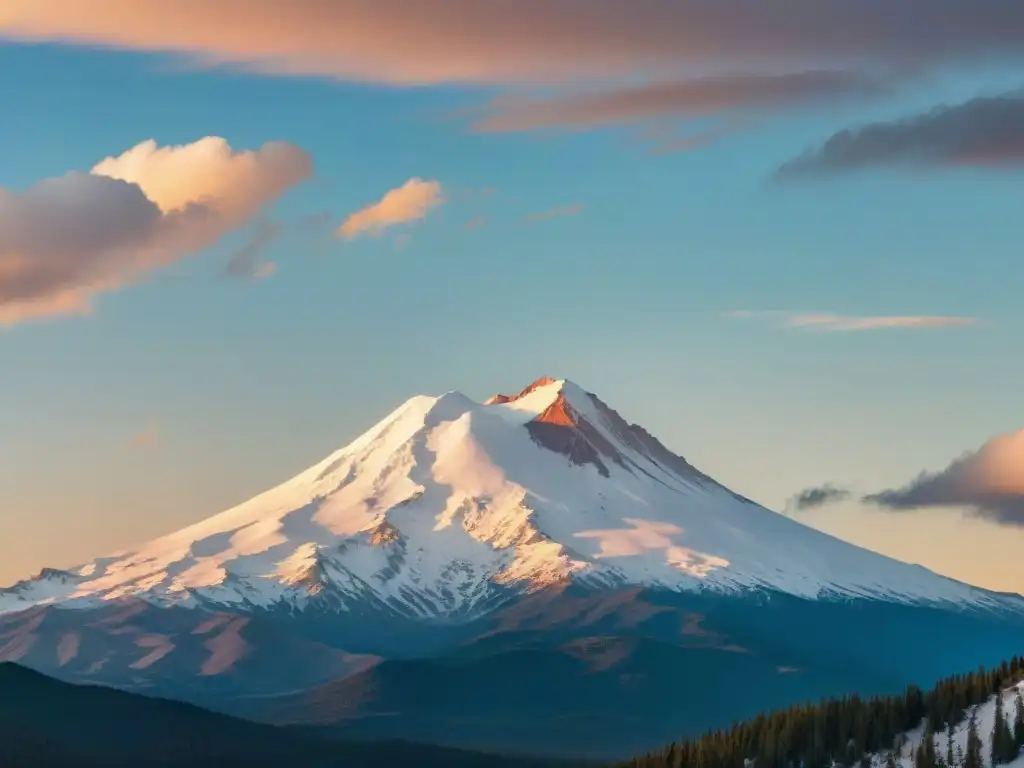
point(846, 731)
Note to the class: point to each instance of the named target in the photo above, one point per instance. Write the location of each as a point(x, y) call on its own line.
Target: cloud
point(147, 438)
point(247, 263)
point(686, 51)
point(988, 483)
point(409, 41)
point(829, 322)
point(983, 132)
point(475, 223)
point(133, 213)
point(826, 321)
point(409, 202)
point(820, 496)
point(554, 213)
point(690, 98)
point(670, 145)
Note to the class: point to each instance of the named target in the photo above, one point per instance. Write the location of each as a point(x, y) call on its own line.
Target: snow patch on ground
point(985, 715)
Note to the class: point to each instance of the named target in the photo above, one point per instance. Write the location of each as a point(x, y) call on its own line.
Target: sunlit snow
point(446, 498)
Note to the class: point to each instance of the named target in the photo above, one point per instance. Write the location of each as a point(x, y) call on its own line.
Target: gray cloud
point(987, 483)
point(985, 132)
point(820, 496)
point(107, 227)
point(688, 98)
point(64, 240)
point(247, 263)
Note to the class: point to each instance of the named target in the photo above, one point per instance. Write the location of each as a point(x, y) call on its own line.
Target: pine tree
point(925, 756)
point(972, 758)
point(1003, 747)
point(998, 747)
point(950, 756)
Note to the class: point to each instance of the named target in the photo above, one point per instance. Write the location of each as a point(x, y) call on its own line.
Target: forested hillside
point(939, 728)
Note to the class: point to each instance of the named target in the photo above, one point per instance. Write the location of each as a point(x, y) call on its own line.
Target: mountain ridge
point(447, 507)
point(538, 539)
point(46, 722)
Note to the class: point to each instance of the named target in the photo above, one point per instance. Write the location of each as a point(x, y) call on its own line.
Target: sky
point(784, 237)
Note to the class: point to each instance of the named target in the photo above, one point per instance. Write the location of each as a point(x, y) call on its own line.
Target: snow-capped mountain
point(448, 508)
point(536, 544)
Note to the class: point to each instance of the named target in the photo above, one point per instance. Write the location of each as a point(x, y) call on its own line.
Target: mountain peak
point(542, 382)
point(446, 504)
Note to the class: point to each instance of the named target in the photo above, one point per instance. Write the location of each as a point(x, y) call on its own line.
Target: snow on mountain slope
point(985, 718)
point(448, 505)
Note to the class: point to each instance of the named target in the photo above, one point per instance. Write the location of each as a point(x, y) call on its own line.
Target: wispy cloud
point(818, 496)
point(690, 98)
point(754, 54)
point(247, 263)
point(476, 222)
point(410, 202)
point(984, 132)
point(407, 41)
point(147, 438)
point(661, 142)
point(826, 321)
point(554, 213)
point(988, 483)
point(132, 214)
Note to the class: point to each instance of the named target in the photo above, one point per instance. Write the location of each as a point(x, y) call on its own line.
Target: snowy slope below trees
point(448, 507)
point(984, 717)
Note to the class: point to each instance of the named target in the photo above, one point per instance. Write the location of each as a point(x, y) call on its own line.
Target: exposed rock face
point(562, 430)
point(500, 399)
point(385, 533)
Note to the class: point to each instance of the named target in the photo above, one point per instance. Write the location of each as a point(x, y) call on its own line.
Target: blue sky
point(241, 383)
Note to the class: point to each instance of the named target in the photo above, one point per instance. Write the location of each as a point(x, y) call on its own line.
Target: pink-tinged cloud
point(232, 185)
point(413, 41)
point(147, 438)
point(988, 483)
point(557, 212)
point(827, 321)
point(689, 98)
point(132, 214)
point(408, 203)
